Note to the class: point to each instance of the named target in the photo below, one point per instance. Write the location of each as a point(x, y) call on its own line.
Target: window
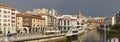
point(38, 20)
point(68, 22)
point(64, 28)
point(5, 24)
point(5, 12)
point(8, 19)
point(8, 23)
point(41, 21)
point(5, 20)
point(8, 31)
point(5, 16)
point(34, 20)
point(18, 23)
point(58, 22)
point(64, 22)
point(0, 10)
point(44, 21)
point(8, 11)
point(78, 23)
point(33, 24)
point(12, 13)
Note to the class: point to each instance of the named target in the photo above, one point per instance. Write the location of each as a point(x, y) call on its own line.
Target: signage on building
point(114, 40)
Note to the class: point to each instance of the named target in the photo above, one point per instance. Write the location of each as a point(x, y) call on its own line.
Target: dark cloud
point(88, 7)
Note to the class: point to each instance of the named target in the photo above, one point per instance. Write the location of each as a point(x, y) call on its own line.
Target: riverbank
point(54, 39)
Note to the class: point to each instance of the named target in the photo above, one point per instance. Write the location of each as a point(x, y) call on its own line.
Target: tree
point(114, 31)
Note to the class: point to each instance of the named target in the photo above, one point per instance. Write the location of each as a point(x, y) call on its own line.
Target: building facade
point(30, 23)
point(7, 19)
point(81, 20)
point(116, 18)
point(109, 21)
point(97, 21)
point(48, 15)
point(66, 22)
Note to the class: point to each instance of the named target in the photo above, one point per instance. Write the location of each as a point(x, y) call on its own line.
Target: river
point(89, 36)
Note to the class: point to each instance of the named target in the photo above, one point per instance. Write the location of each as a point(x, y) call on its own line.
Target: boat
point(75, 32)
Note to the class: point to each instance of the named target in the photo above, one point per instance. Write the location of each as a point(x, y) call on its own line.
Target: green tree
point(114, 31)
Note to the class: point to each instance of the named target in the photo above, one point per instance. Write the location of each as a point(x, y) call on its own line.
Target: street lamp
point(105, 32)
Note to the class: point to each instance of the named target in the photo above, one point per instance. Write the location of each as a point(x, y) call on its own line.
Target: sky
point(87, 7)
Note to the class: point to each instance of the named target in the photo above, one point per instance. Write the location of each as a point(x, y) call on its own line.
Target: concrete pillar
point(27, 30)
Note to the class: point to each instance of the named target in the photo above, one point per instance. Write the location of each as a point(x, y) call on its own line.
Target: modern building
point(7, 19)
point(30, 23)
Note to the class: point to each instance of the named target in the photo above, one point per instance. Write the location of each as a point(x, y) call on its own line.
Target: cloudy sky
point(87, 7)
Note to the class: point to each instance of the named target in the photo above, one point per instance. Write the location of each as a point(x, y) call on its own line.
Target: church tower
point(79, 14)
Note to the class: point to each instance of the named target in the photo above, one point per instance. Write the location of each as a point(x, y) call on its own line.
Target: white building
point(65, 22)
point(7, 19)
point(113, 20)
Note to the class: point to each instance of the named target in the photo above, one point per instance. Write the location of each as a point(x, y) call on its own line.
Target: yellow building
point(29, 23)
point(38, 24)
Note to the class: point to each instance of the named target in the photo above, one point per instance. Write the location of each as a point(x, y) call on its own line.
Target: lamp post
point(105, 33)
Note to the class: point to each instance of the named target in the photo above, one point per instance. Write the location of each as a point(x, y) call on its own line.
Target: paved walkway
point(23, 37)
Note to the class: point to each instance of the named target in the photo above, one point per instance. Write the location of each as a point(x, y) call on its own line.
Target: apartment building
point(30, 23)
point(7, 19)
point(97, 21)
point(116, 18)
point(48, 15)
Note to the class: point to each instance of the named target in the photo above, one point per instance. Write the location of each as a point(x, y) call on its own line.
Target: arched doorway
point(0, 32)
point(33, 30)
point(36, 30)
point(25, 30)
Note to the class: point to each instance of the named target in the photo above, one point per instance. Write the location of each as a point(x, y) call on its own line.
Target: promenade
point(25, 37)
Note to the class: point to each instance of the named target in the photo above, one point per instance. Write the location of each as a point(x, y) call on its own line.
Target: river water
point(88, 36)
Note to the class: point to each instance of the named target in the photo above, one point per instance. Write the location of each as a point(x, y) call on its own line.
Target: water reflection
point(89, 36)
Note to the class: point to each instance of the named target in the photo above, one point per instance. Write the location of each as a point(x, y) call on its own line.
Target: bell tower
point(79, 14)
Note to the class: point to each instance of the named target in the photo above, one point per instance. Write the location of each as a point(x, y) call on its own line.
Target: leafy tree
point(114, 31)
